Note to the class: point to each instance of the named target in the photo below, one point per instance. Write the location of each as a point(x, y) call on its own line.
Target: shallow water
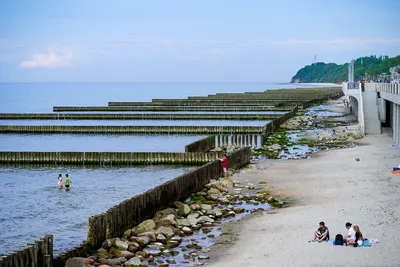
point(31, 205)
point(138, 122)
point(95, 143)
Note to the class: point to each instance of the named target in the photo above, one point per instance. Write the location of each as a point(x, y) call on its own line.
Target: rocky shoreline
point(182, 234)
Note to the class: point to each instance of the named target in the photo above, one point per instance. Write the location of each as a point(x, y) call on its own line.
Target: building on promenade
point(376, 105)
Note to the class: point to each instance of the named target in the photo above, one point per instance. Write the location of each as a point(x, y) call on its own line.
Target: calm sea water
point(41, 97)
point(95, 143)
point(31, 205)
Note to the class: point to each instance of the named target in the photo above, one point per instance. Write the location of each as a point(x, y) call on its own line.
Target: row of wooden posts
point(132, 116)
point(169, 108)
point(187, 130)
point(37, 254)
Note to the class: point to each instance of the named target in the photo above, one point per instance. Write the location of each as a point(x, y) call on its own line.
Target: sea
point(31, 204)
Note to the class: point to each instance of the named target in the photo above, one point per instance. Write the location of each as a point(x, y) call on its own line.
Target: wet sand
point(332, 187)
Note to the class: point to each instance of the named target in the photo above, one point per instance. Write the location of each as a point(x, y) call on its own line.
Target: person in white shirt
point(350, 237)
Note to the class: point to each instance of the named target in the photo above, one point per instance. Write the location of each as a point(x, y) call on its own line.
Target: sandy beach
point(332, 187)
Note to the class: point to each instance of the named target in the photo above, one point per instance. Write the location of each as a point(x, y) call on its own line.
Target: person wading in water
point(67, 182)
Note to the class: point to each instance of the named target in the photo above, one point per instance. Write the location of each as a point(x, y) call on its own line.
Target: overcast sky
point(188, 40)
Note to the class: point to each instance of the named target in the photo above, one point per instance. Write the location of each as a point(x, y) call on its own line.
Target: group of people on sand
point(353, 236)
point(60, 182)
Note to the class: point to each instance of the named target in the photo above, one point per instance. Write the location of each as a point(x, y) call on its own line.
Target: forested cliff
point(370, 67)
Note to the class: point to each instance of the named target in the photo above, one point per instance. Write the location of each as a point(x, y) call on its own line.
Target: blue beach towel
point(364, 244)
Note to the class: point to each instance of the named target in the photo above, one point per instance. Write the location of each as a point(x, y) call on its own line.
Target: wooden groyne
point(37, 254)
point(188, 130)
point(128, 116)
point(107, 158)
point(202, 145)
point(209, 103)
point(167, 108)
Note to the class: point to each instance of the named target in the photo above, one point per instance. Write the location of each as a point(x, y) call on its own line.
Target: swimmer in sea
point(60, 185)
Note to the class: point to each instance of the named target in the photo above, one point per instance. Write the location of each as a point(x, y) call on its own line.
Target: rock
point(163, 265)
point(194, 206)
point(218, 213)
point(177, 239)
point(187, 230)
point(128, 233)
point(206, 207)
point(75, 262)
point(184, 210)
point(102, 251)
point(204, 219)
point(108, 243)
point(178, 204)
point(145, 226)
point(162, 213)
point(166, 231)
point(141, 240)
point(154, 251)
point(110, 262)
point(161, 238)
point(192, 218)
point(133, 247)
point(172, 243)
point(171, 261)
point(121, 244)
point(123, 254)
point(150, 235)
point(134, 262)
point(213, 191)
point(167, 220)
point(121, 259)
point(183, 222)
point(226, 182)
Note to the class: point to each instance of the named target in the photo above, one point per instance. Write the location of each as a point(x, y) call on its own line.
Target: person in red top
point(224, 165)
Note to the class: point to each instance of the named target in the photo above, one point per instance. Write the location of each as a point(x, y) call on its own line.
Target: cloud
point(48, 60)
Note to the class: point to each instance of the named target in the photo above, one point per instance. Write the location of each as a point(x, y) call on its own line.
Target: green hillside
point(370, 67)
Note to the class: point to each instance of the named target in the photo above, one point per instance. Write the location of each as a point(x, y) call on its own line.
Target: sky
point(188, 40)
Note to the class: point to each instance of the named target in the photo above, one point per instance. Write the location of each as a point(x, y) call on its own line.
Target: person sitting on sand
point(396, 168)
point(350, 237)
point(60, 185)
point(333, 132)
point(322, 233)
point(359, 237)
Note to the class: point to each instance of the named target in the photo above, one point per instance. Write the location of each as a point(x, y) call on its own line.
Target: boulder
point(121, 244)
point(110, 262)
point(123, 254)
point(178, 204)
point(133, 247)
point(167, 231)
point(75, 262)
point(128, 233)
point(194, 206)
point(166, 220)
point(102, 251)
point(218, 213)
point(213, 191)
point(204, 219)
point(226, 182)
point(206, 207)
point(184, 210)
point(145, 226)
point(183, 222)
point(192, 218)
point(141, 240)
point(150, 235)
point(165, 212)
point(161, 238)
point(187, 230)
point(108, 243)
point(134, 262)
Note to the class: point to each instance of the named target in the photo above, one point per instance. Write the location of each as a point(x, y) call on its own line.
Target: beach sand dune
point(332, 187)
